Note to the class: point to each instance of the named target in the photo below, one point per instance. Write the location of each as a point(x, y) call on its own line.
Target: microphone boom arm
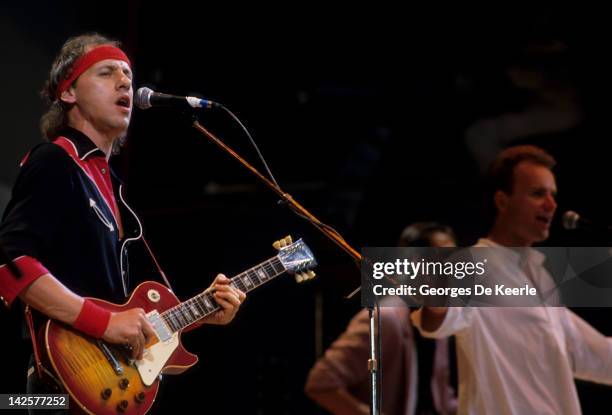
point(335, 237)
point(285, 197)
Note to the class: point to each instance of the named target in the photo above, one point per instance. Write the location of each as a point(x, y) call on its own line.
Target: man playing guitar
point(67, 227)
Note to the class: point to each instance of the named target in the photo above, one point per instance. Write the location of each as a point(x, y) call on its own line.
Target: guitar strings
point(181, 312)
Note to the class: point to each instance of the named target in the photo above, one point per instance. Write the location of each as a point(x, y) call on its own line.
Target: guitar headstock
point(296, 257)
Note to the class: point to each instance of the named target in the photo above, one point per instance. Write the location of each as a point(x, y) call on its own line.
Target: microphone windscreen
point(570, 220)
point(142, 98)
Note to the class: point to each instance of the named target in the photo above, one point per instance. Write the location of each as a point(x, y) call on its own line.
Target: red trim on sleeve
point(93, 319)
point(10, 286)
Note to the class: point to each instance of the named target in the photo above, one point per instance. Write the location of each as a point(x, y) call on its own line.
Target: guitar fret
point(168, 322)
point(191, 317)
point(203, 302)
point(238, 284)
point(177, 318)
point(181, 316)
point(208, 302)
point(183, 312)
point(173, 321)
point(247, 281)
point(256, 276)
point(199, 307)
point(269, 269)
point(253, 276)
point(277, 266)
point(194, 309)
point(262, 274)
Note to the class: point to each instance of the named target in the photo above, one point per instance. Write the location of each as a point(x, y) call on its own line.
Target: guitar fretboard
point(204, 304)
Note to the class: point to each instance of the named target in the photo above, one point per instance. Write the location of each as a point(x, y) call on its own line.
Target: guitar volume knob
point(140, 397)
point(124, 383)
point(106, 393)
point(122, 406)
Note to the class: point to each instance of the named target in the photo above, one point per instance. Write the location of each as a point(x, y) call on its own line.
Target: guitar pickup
point(162, 330)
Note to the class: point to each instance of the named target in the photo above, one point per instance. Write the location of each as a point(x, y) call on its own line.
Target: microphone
point(572, 220)
point(146, 98)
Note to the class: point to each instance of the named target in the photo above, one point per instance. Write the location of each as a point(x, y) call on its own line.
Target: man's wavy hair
point(56, 118)
point(500, 175)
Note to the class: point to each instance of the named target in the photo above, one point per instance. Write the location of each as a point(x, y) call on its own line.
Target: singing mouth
point(546, 220)
point(123, 102)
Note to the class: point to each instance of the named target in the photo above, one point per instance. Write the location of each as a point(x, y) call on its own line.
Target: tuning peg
point(311, 274)
point(286, 241)
point(299, 278)
point(281, 243)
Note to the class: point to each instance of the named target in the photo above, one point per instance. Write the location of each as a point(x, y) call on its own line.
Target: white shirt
point(522, 360)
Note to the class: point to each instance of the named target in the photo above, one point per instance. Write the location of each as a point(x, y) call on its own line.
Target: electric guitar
point(101, 378)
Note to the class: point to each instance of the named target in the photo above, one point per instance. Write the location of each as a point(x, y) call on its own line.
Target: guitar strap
point(159, 269)
point(40, 368)
point(30, 323)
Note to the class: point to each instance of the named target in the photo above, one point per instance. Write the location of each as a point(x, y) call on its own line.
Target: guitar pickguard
point(155, 357)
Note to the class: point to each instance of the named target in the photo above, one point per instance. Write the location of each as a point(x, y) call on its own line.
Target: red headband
point(83, 63)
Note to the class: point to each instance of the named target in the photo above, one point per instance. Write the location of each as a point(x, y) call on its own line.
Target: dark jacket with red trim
point(62, 218)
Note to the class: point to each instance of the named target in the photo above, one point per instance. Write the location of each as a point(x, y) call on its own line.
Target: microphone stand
point(330, 233)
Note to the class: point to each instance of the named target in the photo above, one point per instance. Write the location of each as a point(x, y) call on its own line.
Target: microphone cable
point(265, 164)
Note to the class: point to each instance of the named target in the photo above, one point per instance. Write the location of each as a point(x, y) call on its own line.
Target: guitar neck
point(204, 304)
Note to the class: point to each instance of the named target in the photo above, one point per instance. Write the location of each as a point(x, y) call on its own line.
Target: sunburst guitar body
point(101, 378)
